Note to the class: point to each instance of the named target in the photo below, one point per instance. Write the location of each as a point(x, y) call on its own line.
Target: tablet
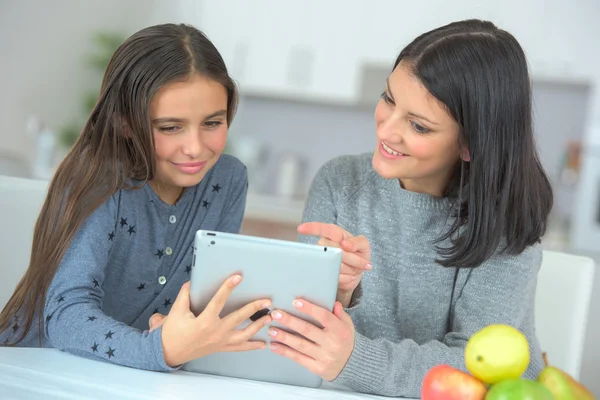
point(275, 269)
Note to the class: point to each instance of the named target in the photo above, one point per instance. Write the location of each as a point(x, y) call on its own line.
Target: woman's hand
point(186, 337)
point(323, 351)
point(355, 260)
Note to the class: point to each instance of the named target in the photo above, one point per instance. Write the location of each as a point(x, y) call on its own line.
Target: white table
point(27, 373)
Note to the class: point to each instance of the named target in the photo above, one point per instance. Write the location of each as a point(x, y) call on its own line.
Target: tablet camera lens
point(325, 249)
point(212, 242)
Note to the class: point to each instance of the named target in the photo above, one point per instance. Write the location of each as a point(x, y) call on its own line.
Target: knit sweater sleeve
point(74, 320)
point(498, 292)
point(321, 207)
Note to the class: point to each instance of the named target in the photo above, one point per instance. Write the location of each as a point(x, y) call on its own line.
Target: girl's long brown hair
point(115, 146)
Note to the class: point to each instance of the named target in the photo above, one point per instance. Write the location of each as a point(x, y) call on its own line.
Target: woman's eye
point(387, 99)
point(418, 128)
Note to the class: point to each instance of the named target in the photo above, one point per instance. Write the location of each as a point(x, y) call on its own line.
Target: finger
point(246, 346)
point(216, 304)
point(338, 311)
point(237, 317)
point(295, 342)
point(304, 360)
point(348, 270)
point(323, 316)
point(182, 302)
point(244, 335)
point(354, 260)
point(155, 321)
point(299, 325)
point(328, 243)
point(329, 231)
point(358, 244)
point(347, 281)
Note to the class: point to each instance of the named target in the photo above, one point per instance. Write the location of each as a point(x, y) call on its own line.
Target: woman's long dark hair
point(115, 146)
point(479, 73)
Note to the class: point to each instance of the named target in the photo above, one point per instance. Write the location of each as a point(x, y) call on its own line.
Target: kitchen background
point(310, 73)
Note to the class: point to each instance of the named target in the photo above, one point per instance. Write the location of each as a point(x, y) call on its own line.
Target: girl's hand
point(355, 260)
point(325, 351)
point(186, 337)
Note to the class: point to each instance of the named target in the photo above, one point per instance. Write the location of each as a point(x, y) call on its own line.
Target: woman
point(454, 202)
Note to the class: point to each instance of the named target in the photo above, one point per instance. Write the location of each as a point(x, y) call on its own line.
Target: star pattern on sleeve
point(96, 283)
point(167, 303)
point(188, 269)
point(141, 287)
point(92, 318)
point(205, 204)
point(159, 253)
point(15, 327)
point(111, 236)
point(111, 352)
point(123, 222)
point(61, 299)
point(95, 347)
point(131, 229)
point(216, 188)
point(108, 335)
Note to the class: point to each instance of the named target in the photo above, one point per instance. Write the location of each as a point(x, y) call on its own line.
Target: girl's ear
point(125, 128)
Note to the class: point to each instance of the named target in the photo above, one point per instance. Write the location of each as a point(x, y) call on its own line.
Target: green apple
point(518, 389)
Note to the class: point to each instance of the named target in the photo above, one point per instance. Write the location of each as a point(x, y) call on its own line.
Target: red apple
point(443, 382)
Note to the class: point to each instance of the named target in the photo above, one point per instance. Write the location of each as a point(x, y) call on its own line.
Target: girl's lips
point(190, 168)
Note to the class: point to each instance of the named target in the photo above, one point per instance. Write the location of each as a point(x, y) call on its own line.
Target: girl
point(454, 201)
point(113, 242)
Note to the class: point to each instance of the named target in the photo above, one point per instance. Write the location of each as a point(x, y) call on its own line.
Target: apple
point(444, 382)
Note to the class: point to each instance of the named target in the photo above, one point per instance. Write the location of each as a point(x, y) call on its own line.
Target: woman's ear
point(465, 155)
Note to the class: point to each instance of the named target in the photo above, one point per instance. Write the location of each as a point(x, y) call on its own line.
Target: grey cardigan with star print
point(129, 260)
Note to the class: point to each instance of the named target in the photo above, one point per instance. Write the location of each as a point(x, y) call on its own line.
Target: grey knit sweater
point(409, 317)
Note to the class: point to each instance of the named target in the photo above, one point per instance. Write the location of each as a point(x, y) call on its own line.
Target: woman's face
point(189, 123)
point(417, 140)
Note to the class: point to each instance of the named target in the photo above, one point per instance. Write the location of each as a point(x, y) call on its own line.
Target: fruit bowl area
point(496, 358)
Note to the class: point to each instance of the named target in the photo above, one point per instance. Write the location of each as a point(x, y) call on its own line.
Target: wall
point(43, 45)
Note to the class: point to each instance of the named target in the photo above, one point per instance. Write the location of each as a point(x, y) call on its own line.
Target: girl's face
point(189, 123)
point(417, 140)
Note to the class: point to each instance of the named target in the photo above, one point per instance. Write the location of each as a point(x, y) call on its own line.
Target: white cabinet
point(306, 50)
point(316, 49)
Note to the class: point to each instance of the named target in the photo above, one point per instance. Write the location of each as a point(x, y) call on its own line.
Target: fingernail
point(276, 315)
point(266, 304)
point(273, 346)
point(237, 279)
point(272, 332)
point(369, 267)
point(298, 304)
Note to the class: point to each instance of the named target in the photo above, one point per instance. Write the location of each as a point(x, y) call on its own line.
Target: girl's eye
point(213, 124)
point(418, 128)
point(169, 129)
